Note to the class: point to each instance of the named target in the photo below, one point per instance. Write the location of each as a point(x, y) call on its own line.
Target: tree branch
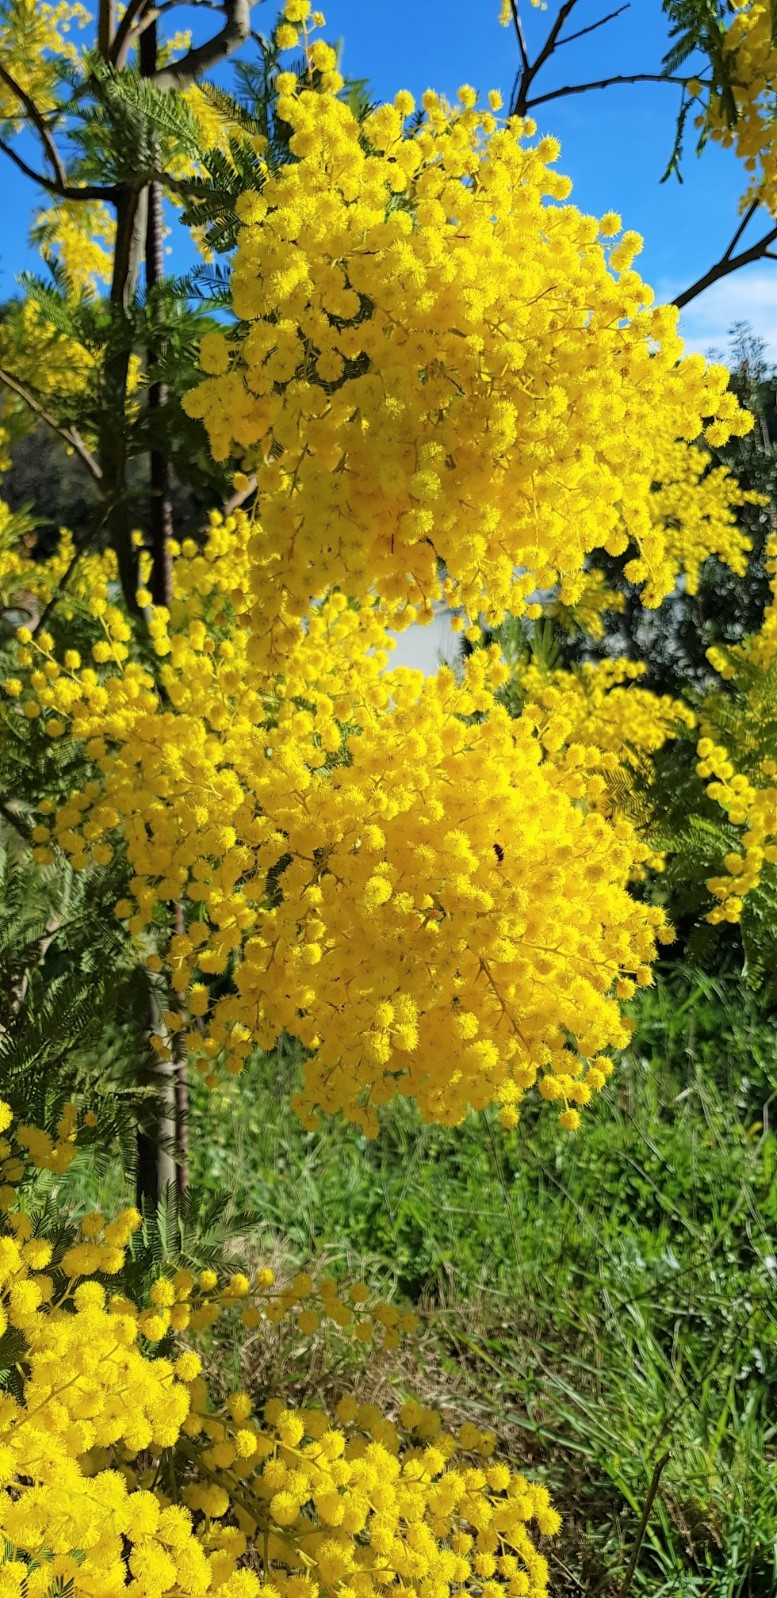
point(603, 83)
point(105, 24)
point(520, 36)
point(748, 216)
point(40, 125)
point(530, 69)
point(553, 36)
point(235, 31)
point(70, 434)
point(592, 26)
point(121, 43)
point(728, 263)
point(89, 191)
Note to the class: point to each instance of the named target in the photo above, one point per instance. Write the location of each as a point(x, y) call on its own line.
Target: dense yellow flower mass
point(693, 508)
point(118, 1474)
point(749, 45)
point(449, 385)
point(599, 717)
point(81, 235)
point(389, 867)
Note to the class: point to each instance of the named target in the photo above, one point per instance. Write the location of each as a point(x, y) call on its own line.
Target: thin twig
point(592, 26)
point(643, 1524)
point(605, 83)
point(749, 214)
point(519, 34)
point(71, 435)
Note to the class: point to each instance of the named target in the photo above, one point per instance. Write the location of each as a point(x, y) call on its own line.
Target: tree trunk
point(161, 532)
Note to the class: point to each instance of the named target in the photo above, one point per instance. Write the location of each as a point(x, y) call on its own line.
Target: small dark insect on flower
point(499, 852)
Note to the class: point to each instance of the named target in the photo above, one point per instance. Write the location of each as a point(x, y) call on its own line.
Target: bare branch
point(39, 124)
point(70, 434)
point(553, 36)
point(121, 43)
point(604, 83)
point(520, 35)
point(530, 69)
point(728, 263)
point(89, 191)
point(592, 26)
point(236, 30)
point(36, 177)
point(748, 216)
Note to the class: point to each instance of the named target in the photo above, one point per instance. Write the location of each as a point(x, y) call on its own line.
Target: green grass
point(602, 1299)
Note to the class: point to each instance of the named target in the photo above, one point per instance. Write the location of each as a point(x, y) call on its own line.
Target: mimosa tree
point(434, 381)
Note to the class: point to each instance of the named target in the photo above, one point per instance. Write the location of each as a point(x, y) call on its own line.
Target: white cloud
point(749, 295)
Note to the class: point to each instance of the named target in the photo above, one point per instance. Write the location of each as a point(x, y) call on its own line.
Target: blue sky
point(615, 142)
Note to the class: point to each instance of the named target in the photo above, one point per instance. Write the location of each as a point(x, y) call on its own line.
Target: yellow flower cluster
point(594, 718)
point(582, 603)
point(389, 867)
point(596, 726)
point(116, 1472)
point(195, 1303)
point(361, 1505)
point(448, 388)
point(34, 47)
point(749, 44)
point(693, 508)
point(31, 1146)
point(81, 235)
